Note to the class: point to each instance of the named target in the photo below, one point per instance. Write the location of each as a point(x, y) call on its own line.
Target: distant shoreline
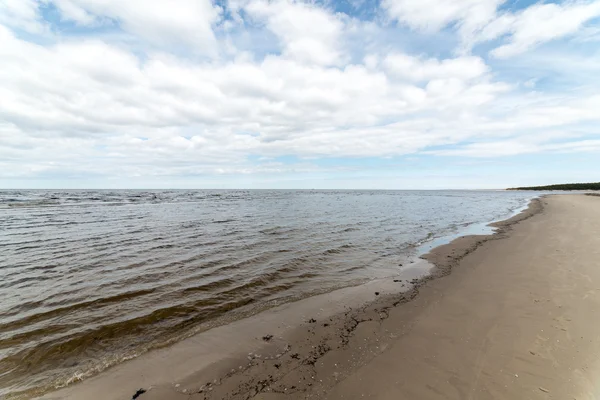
point(562, 186)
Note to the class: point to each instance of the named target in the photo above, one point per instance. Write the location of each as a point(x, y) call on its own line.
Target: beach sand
point(508, 316)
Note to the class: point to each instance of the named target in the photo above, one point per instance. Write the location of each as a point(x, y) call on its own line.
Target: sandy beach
point(507, 316)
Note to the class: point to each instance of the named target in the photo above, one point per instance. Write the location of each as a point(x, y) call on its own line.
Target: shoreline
point(516, 318)
point(447, 256)
point(354, 306)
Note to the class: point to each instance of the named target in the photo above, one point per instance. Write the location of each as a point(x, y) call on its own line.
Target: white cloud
point(72, 11)
point(101, 96)
point(538, 24)
point(491, 149)
point(469, 16)
point(307, 33)
point(91, 105)
point(433, 15)
point(479, 21)
point(159, 22)
point(416, 69)
point(514, 147)
point(537, 128)
point(21, 14)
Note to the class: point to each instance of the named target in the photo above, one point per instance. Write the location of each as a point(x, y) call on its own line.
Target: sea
point(92, 278)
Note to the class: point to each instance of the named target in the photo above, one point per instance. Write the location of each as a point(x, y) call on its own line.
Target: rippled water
point(91, 278)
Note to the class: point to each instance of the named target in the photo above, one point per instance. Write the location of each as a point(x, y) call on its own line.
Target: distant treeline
point(565, 186)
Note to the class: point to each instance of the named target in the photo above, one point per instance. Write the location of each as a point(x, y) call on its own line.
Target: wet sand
point(512, 315)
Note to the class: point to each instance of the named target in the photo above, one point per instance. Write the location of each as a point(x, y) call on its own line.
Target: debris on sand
point(138, 394)
point(376, 293)
point(312, 321)
point(267, 338)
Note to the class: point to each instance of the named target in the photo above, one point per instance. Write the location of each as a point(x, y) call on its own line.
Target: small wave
point(210, 286)
point(276, 230)
point(353, 268)
point(32, 203)
point(18, 283)
point(247, 263)
point(308, 275)
point(31, 319)
point(133, 266)
point(162, 247)
point(337, 250)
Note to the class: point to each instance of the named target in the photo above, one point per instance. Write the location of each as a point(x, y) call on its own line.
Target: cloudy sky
point(292, 94)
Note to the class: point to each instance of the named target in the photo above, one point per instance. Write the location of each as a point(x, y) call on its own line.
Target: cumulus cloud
point(89, 105)
point(89, 86)
point(307, 32)
point(160, 22)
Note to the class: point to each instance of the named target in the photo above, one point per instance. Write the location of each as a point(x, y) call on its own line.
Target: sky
point(340, 94)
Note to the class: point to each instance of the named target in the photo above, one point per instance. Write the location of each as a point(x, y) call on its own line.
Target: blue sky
point(394, 94)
